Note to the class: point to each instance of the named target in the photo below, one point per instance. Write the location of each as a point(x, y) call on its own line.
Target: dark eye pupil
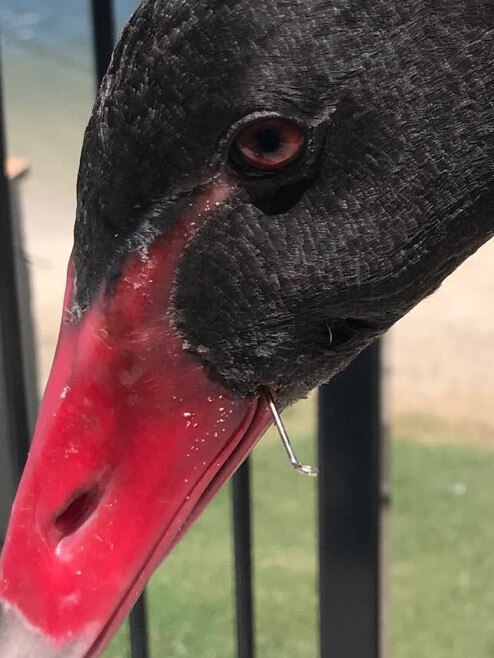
point(269, 140)
point(267, 145)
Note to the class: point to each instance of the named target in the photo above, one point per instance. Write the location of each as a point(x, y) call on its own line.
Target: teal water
point(49, 89)
point(58, 28)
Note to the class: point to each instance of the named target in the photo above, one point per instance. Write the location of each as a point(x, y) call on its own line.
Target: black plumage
point(297, 272)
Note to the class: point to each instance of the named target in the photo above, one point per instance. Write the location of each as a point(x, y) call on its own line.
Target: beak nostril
point(78, 510)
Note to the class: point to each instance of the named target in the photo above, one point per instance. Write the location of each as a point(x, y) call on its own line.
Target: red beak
point(132, 442)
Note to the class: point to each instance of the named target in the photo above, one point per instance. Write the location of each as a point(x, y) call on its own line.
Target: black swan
point(264, 189)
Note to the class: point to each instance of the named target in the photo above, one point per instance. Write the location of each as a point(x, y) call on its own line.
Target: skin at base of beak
point(132, 441)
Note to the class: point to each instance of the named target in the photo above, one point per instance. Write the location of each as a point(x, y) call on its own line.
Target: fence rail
point(13, 384)
point(350, 454)
point(350, 440)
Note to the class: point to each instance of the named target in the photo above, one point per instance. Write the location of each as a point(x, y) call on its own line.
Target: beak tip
point(19, 639)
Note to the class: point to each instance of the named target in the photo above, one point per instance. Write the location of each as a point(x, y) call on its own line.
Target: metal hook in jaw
point(297, 465)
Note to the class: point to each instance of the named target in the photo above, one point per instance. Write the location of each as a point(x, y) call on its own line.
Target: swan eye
point(267, 146)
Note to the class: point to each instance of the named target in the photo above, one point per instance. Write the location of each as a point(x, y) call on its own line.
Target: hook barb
point(305, 469)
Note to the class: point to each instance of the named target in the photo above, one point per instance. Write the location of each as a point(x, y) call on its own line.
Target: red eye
point(268, 145)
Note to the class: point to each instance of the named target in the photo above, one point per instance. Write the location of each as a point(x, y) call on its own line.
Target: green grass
point(442, 571)
point(442, 560)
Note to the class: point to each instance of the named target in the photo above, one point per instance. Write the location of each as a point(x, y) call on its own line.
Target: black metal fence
point(350, 440)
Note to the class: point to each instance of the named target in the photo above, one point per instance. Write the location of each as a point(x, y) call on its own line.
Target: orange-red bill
point(132, 441)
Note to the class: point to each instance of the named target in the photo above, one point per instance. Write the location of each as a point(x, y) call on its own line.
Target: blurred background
point(439, 406)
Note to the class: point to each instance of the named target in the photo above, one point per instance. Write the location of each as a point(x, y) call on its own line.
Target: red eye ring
point(268, 145)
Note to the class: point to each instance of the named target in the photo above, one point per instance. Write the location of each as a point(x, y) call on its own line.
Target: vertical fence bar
point(104, 39)
point(242, 535)
point(349, 510)
point(103, 36)
point(13, 389)
point(139, 641)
